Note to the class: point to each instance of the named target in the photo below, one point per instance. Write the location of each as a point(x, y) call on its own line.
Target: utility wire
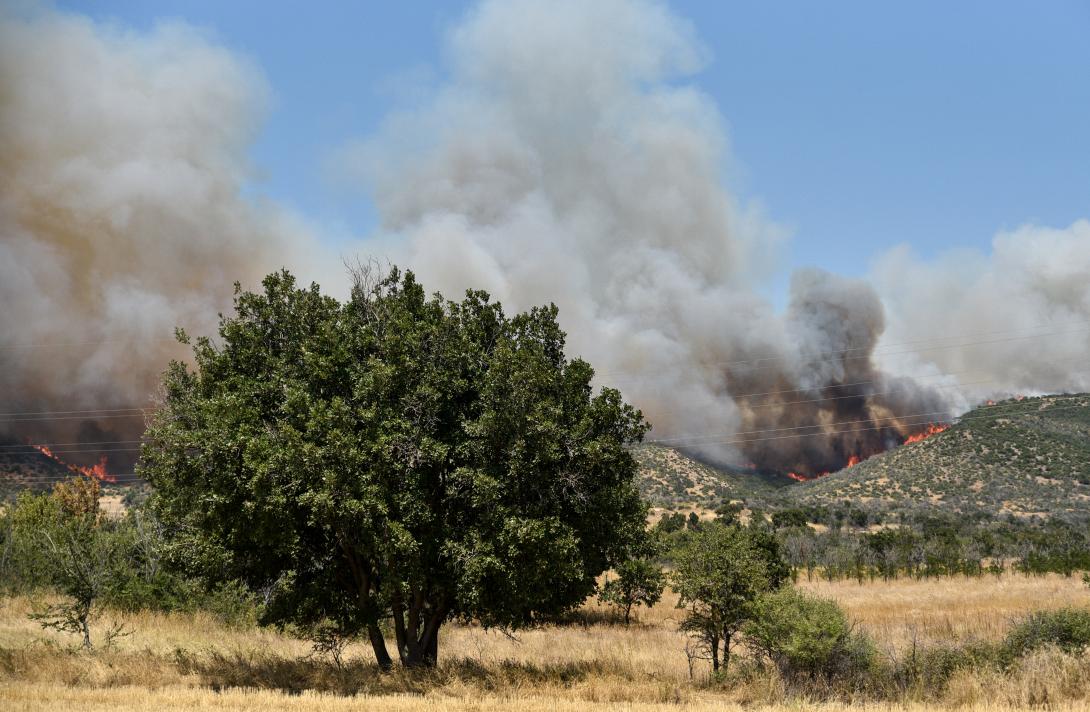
point(70, 412)
point(53, 445)
point(966, 418)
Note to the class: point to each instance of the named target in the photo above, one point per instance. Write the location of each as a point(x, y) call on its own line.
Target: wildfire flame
point(855, 459)
point(932, 429)
point(99, 471)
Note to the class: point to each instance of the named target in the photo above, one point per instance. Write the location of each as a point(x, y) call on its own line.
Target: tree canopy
point(396, 456)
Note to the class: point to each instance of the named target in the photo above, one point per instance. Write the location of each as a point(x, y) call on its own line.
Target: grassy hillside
point(672, 480)
point(1024, 457)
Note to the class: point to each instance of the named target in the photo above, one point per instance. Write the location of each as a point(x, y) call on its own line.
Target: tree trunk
point(84, 623)
point(726, 651)
point(378, 643)
point(422, 652)
point(417, 634)
point(627, 614)
point(86, 634)
point(715, 653)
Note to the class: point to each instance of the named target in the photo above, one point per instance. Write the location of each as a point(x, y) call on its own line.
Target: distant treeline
point(848, 542)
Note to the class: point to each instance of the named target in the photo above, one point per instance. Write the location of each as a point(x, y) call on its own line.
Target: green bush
point(807, 636)
point(233, 604)
point(931, 668)
point(24, 564)
point(1066, 628)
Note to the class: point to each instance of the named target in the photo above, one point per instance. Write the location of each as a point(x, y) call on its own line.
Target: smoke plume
point(121, 214)
point(566, 157)
point(566, 160)
point(1019, 314)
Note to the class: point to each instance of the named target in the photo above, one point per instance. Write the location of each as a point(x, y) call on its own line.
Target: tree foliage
point(805, 636)
point(638, 582)
point(398, 457)
point(62, 541)
point(720, 571)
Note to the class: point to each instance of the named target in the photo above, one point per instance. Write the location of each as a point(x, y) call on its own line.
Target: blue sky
point(858, 125)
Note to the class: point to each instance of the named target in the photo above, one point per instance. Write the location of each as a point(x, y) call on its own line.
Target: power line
point(687, 438)
point(982, 416)
point(70, 412)
point(884, 379)
point(121, 477)
point(99, 413)
point(55, 445)
point(69, 451)
point(99, 342)
point(681, 440)
point(938, 413)
point(1005, 410)
point(72, 417)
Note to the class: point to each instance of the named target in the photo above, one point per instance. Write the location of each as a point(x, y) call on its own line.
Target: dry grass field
point(174, 662)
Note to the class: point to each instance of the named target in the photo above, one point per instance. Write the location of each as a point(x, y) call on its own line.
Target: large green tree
point(397, 457)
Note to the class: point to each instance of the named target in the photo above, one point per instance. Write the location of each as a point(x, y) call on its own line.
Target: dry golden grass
point(23, 697)
point(190, 661)
point(952, 609)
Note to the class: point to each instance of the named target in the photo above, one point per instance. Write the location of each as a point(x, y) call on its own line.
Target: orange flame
point(932, 429)
point(797, 477)
point(853, 460)
point(99, 471)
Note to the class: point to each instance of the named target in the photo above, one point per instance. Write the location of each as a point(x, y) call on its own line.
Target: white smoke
point(1019, 315)
point(564, 162)
point(121, 206)
point(566, 158)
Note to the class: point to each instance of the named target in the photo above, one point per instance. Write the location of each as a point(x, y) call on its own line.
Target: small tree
point(639, 583)
point(82, 554)
point(729, 512)
point(720, 572)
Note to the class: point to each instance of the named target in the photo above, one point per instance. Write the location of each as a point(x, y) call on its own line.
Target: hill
point(672, 480)
point(1025, 457)
point(22, 468)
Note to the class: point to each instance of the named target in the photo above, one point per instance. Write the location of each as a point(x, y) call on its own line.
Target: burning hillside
point(1020, 457)
point(98, 471)
point(855, 458)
